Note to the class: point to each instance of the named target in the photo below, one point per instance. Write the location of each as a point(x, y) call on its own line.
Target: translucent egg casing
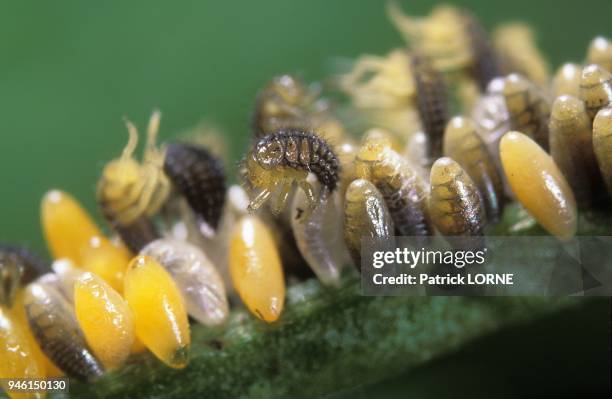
point(66, 225)
point(571, 147)
point(319, 236)
point(567, 80)
point(199, 177)
point(17, 352)
point(602, 144)
point(600, 53)
point(195, 275)
point(595, 88)
point(464, 145)
point(160, 317)
point(105, 319)
point(56, 330)
point(365, 215)
point(455, 205)
point(18, 267)
point(539, 185)
point(255, 268)
point(401, 187)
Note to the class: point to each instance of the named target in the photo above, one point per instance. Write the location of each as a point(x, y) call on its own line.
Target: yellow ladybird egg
point(256, 270)
point(105, 318)
point(107, 260)
point(17, 353)
point(538, 184)
point(160, 318)
point(66, 225)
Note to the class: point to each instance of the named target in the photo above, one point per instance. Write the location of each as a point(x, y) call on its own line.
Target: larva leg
point(281, 197)
point(259, 200)
point(310, 196)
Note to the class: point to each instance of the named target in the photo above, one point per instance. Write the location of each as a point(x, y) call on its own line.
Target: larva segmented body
point(455, 204)
point(463, 144)
point(595, 88)
point(571, 147)
point(528, 107)
point(486, 65)
point(57, 332)
point(401, 187)
point(18, 267)
point(432, 103)
point(600, 53)
point(199, 177)
point(567, 80)
point(287, 156)
point(365, 215)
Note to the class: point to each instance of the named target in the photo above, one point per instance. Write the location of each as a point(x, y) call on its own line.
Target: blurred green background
point(70, 71)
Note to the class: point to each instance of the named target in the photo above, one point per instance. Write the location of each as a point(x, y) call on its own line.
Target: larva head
point(375, 142)
point(255, 174)
point(269, 153)
point(595, 88)
point(567, 80)
point(568, 110)
point(600, 52)
point(456, 130)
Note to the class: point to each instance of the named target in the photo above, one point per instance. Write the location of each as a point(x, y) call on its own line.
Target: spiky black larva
point(432, 103)
point(307, 151)
point(199, 177)
point(138, 234)
point(18, 267)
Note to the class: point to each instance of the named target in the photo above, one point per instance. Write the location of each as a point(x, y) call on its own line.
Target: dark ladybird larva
point(595, 88)
point(18, 267)
point(199, 177)
point(528, 108)
point(602, 143)
point(279, 160)
point(432, 103)
point(56, 329)
point(486, 65)
point(463, 144)
point(454, 203)
point(365, 215)
point(571, 147)
point(401, 187)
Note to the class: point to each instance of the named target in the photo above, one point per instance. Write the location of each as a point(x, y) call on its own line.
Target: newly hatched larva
point(365, 215)
point(455, 203)
point(571, 147)
point(431, 102)
point(160, 317)
point(401, 187)
point(600, 53)
point(66, 225)
point(105, 319)
point(441, 36)
point(279, 160)
point(538, 184)
point(516, 47)
point(18, 354)
point(528, 107)
point(57, 331)
point(129, 193)
point(319, 235)
point(199, 177)
point(602, 143)
point(463, 144)
point(282, 103)
point(567, 80)
point(255, 268)
point(595, 88)
point(18, 267)
point(195, 275)
point(485, 62)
